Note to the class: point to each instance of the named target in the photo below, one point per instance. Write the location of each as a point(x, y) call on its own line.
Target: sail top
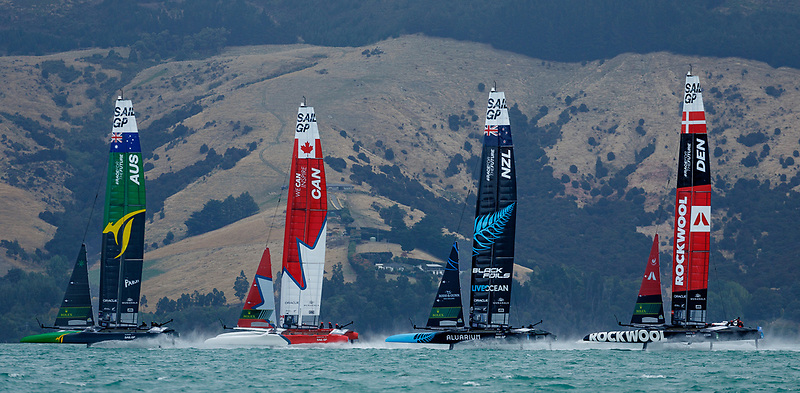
point(496, 109)
point(694, 116)
point(124, 133)
point(307, 134)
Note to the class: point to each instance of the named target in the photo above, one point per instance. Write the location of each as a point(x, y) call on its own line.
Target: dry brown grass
point(396, 98)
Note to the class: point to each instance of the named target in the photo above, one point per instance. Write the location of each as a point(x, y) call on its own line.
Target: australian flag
point(125, 142)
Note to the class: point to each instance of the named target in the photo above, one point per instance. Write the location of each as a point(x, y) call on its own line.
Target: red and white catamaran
point(303, 259)
point(690, 250)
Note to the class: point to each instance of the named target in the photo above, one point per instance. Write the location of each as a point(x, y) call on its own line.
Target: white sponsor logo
point(701, 221)
point(118, 165)
point(691, 91)
point(495, 108)
point(701, 155)
point(680, 240)
point(628, 336)
point(463, 337)
point(299, 181)
point(491, 272)
point(505, 164)
point(133, 168)
point(316, 180)
point(130, 282)
point(488, 288)
point(490, 165)
point(304, 121)
point(121, 116)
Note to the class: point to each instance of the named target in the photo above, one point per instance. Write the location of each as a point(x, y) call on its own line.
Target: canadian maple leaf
point(307, 148)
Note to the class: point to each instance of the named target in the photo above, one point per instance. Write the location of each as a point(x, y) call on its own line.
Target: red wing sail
point(691, 244)
point(649, 306)
point(306, 217)
point(259, 308)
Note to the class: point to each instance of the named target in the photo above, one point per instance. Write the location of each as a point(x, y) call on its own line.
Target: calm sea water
point(567, 366)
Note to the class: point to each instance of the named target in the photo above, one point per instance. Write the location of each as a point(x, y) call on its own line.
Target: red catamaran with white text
point(691, 248)
point(303, 258)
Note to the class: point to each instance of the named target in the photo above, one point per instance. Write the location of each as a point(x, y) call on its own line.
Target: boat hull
point(319, 336)
point(49, 337)
point(243, 338)
point(677, 334)
point(713, 333)
point(274, 338)
point(90, 336)
point(451, 337)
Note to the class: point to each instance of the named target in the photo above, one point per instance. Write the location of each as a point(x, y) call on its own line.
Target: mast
point(306, 223)
point(122, 250)
point(649, 305)
point(495, 220)
point(447, 310)
point(691, 244)
point(76, 308)
point(259, 307)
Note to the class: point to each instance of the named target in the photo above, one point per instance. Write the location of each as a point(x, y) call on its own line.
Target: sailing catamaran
point(691, 249)
point(492, 251)
point(303, 257)
point(122, 252)
point(256, 325)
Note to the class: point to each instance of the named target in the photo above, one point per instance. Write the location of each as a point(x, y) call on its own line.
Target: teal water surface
point(369, 368)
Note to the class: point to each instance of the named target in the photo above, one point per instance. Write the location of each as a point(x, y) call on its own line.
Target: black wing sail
point(447, 310)
point(76, 309)
point(495, 220)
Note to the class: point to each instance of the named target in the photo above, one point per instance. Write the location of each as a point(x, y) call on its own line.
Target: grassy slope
point(397, 97)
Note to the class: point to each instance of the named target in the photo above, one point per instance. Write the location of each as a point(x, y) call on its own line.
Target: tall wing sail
point(447, 310)
point(495, 220)
point(691, 243)
point(649, 306)
point(259, 307)
point(306, 223)
point(123, 236)
point(76, 309)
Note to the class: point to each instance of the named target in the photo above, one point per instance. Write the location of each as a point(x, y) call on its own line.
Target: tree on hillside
point(240, 286)
point(216, 214)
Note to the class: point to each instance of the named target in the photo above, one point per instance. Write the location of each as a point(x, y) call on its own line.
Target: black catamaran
point(492, 251)
point(691, 250)
point(121, 256)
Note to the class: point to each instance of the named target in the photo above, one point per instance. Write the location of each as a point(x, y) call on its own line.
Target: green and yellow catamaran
point(121, 256)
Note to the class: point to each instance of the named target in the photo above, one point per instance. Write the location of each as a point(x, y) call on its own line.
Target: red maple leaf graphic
point(307, 148)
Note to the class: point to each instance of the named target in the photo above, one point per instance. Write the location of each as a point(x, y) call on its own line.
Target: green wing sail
point(123, 236)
